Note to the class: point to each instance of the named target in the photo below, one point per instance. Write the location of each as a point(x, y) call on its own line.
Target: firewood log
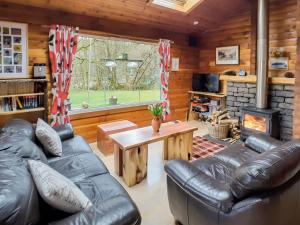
point(229, 121)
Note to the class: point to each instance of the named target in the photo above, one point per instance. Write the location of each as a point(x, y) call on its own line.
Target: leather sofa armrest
point(202, 187)
point(65, 131)
point(261, 143)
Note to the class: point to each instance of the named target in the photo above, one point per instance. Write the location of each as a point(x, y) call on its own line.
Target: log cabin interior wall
point(238, 30)
point(297, 82)
point(85, 124)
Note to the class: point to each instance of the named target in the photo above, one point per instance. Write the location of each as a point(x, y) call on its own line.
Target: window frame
point(119, 106)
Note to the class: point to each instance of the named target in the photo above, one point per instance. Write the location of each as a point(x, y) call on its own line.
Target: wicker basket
point(218, 131)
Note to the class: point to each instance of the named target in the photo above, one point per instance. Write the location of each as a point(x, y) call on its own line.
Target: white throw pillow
point(57, 190)
point(49, 138)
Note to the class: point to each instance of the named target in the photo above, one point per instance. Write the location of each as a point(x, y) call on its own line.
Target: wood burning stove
point(256, 120)
point(260, 119)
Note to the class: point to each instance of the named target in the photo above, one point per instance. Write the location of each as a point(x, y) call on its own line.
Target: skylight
point(184, 6)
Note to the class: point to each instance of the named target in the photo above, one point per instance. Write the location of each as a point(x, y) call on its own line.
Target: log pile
point(222, 117)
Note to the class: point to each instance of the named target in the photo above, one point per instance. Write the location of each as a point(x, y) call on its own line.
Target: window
point(109, 72)
point(184, 6)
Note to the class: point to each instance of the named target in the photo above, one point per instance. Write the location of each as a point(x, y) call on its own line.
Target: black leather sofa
point(20, 203)
point(256, 183)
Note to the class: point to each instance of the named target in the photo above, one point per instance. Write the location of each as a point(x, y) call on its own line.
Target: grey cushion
point(57, 190)
point(48, 138)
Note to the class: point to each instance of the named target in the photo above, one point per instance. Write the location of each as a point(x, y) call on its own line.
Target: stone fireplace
point(280, 99)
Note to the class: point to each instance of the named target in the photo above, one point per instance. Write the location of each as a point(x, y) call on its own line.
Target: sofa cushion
point(48, 138)
point(21, 146)
point(216, 169)
point(21, 127)
point(72, 147)
point(236, 155)
point(261, 143)
point(19, 202)
point(267, 170)
point(57, 190)
point(78, 167)
point(101, 188)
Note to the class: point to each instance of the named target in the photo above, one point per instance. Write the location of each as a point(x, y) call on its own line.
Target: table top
point(117, 125)
point(141, 136)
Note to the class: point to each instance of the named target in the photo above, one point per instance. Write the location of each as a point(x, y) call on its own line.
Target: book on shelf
point(8, 104)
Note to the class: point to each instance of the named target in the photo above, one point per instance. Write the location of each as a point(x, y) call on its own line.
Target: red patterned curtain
point(165, 52)
point(62, 48)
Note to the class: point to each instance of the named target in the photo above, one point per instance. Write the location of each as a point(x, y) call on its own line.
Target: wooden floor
point(151, 194)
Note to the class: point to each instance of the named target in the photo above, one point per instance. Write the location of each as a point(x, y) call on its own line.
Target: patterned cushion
point(49, 138)
point(57, 190)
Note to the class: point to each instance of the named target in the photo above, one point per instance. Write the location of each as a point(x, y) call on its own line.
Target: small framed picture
point(17, 58)
point(17, 40)
point(16, 31)
point(9, 69)
point(6, 30)
point(228, 55)
point(7, 42)
point(279, 63)
point(17, 48)
point(175, 64)
point(18, 69)
point(7, 61)
point(7, 52)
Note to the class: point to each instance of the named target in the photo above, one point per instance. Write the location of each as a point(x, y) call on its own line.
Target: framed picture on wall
point(13, 50)
point(279, 63)
point(228, 55)
point(175, 64)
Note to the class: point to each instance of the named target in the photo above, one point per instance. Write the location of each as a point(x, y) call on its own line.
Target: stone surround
point(281, 97)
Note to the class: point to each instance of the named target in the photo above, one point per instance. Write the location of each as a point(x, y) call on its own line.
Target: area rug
point(202, 148)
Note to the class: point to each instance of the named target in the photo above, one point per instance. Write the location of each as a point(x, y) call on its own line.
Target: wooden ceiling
point(209, 13)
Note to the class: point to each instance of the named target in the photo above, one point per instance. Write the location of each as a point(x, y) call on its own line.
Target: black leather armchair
point(253, 183)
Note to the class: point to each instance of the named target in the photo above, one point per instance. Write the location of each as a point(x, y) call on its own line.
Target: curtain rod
point(106, 34)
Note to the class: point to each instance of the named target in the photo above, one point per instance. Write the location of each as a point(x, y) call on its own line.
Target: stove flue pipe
point(262, 54)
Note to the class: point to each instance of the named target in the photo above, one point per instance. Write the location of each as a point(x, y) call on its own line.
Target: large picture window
point(108, 71)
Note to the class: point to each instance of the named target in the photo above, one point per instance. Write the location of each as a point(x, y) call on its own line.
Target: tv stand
point(210, 95)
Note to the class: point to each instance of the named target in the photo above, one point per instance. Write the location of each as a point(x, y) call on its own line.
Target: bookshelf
point(23, 98)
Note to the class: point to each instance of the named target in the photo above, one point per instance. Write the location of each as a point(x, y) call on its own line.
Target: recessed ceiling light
point(196, 22)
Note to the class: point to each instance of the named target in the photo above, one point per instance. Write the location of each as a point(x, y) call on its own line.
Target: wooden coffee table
point(131, 148)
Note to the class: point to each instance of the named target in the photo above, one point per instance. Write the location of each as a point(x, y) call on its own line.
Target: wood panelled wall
point(297, 82)
point(236, 31)
point(86, 124)
point(241, 30)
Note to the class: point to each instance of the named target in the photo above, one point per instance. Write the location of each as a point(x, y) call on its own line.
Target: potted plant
point(156, 110)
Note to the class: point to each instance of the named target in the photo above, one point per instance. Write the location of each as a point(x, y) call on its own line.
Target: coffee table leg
point(180, 146)
point(135, 165)
point(118, 160)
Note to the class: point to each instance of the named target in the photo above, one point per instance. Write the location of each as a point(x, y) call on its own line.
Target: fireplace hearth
point(256, 120)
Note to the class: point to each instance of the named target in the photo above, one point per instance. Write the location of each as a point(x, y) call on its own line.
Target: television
point(206, 82)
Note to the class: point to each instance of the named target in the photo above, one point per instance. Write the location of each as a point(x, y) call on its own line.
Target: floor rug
point(202, 148)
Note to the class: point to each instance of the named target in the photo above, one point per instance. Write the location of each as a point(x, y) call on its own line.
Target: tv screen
point(206, 82)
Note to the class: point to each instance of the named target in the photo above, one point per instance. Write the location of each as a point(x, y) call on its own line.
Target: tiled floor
point(151, 194)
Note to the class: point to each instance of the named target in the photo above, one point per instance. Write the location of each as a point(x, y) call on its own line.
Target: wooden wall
point(241, 30)
point(297, 82)
point(85, 124)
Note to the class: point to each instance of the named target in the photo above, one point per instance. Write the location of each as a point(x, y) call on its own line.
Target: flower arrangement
point(156, 109)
